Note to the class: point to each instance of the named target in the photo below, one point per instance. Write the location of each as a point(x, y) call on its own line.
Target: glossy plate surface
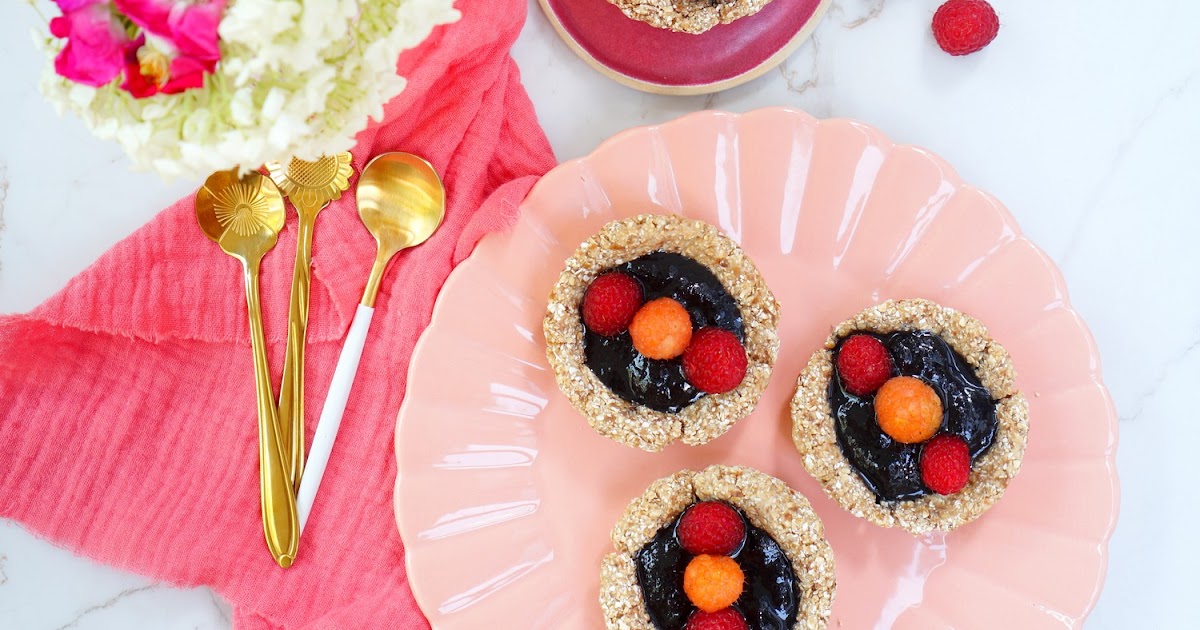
point(505, 496)
point(659, 60)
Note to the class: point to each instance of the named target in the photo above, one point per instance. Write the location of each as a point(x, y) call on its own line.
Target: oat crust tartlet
point(628, 422)
point(766, 501)
point(814, 434)
point(688, 16)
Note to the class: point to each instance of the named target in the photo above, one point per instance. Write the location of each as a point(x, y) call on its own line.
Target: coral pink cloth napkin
point(127, 427)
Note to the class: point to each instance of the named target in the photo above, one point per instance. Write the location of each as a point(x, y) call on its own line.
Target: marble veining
point(108, 603)
point(221, 607)
point(873, 8)
point(1166, 371)
point(1080, 117)
point(1172, 93)
point(800, 81)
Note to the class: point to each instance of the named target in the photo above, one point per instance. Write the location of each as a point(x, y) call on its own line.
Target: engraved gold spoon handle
point(243, 213)
point(310, 185)
point(280, 522)
point(291, 389)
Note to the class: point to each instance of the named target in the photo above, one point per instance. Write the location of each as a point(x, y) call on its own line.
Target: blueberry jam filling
point(661, 385)
point(770, 598)
point(891, 469)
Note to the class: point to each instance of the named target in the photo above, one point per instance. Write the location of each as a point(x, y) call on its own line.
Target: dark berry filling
point(770, 598)
point(661, 384)
point(891, 469)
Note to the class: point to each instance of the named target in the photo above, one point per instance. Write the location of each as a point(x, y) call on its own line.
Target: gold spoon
point(244, 216)
point(401, 201)
point(310, 186)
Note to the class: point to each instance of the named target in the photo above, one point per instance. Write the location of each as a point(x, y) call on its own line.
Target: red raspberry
point(715, 362)
point(864, 364)
point(711, 528)
point(962, 27)
point(724, 619)
point(945, 464)
point(610, 303)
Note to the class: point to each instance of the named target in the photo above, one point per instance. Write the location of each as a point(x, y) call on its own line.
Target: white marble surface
point(1081, 117)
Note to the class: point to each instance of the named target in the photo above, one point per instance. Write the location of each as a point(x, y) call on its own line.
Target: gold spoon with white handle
point(244, 216)
point(310, 186)
point(401, 201)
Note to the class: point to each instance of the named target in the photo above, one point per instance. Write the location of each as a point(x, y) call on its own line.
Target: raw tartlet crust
point(688, 16)
point(813, 423)
point(630, 423)
point(768, 503)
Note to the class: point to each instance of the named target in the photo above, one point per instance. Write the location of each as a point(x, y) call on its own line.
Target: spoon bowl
point(241, 214)
point(401, 200)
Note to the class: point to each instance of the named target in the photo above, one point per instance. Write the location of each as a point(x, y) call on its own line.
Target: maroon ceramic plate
point(657, 60)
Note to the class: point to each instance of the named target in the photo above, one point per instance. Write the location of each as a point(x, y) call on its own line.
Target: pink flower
point(149, 71)
point(96, 41)
point(190, 26)
point(181, 50)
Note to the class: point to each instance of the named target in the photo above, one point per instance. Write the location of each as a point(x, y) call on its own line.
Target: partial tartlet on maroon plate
point(910, 416)
point(688, 16)
point(660, 329)
point(726, 547)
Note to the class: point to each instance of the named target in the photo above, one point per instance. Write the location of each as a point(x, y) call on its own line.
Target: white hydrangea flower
point(295, 79)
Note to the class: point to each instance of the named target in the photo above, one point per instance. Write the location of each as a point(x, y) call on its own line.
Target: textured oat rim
point(813, 423)
point(630, 423)
point(768, 503)
point(688, 16)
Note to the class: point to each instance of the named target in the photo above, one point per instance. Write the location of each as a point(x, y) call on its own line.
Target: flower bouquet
point(188, 87)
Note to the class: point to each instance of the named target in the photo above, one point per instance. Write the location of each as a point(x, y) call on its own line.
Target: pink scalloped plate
point(505, 496)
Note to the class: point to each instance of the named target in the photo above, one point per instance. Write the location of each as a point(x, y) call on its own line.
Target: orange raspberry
point(661, 329)
point(908, 410)
point(713, 582)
